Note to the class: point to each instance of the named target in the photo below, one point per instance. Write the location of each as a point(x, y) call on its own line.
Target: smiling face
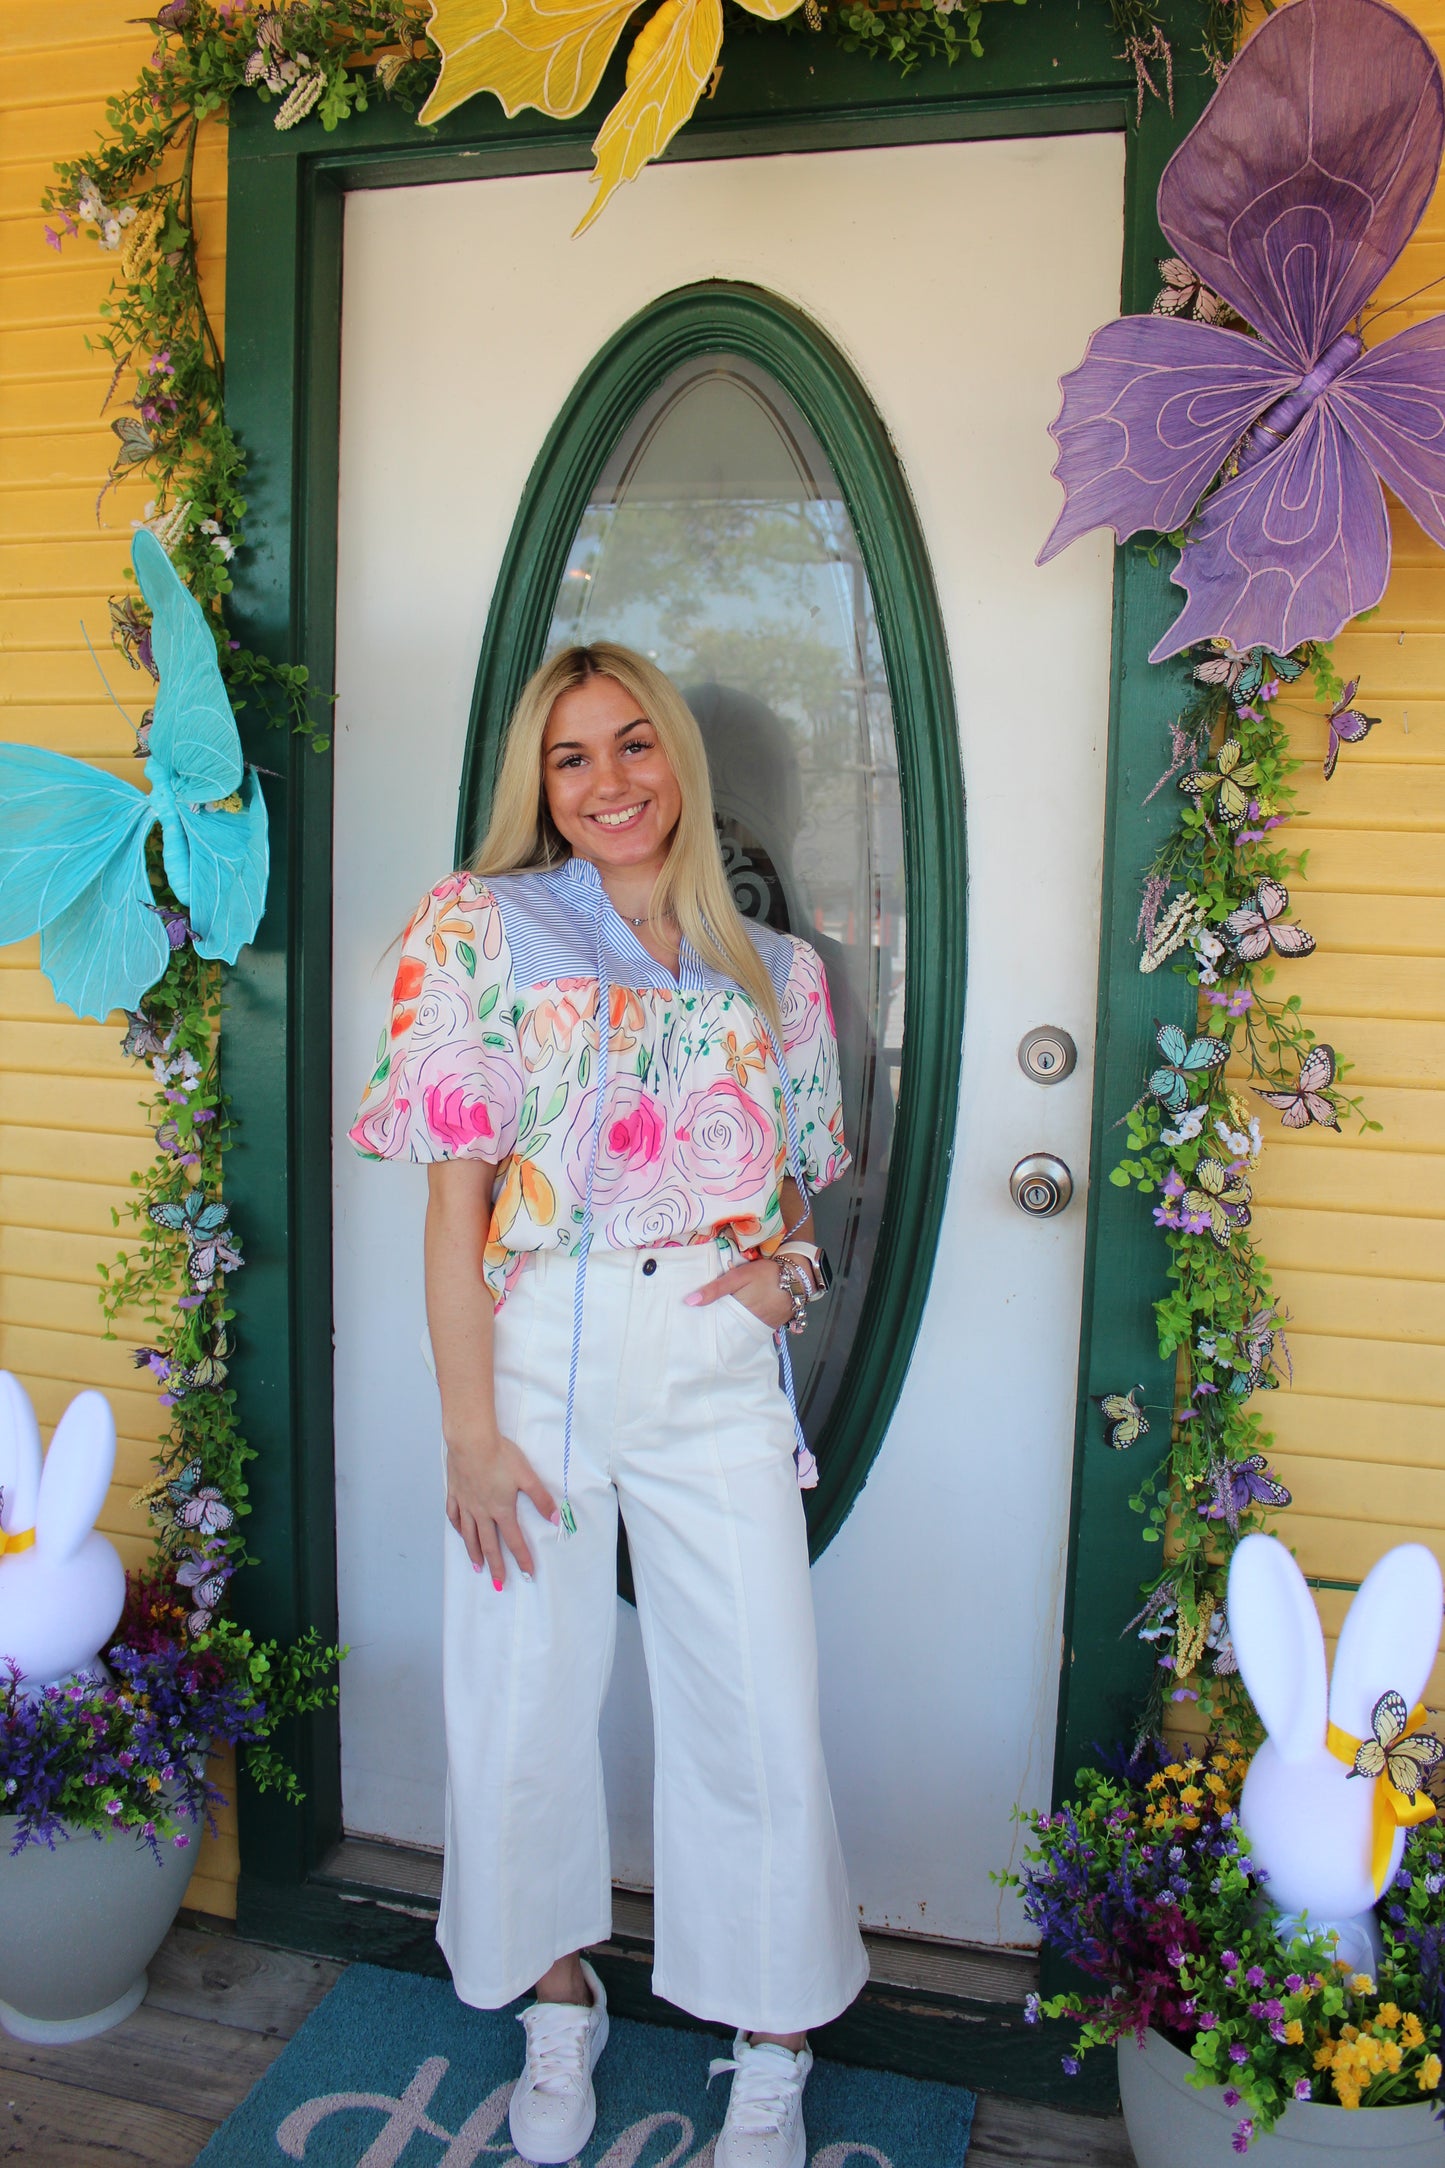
point(610, 789)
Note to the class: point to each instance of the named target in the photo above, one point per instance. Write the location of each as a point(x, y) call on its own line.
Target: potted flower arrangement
point(1228, 2039)
point(120, 1752)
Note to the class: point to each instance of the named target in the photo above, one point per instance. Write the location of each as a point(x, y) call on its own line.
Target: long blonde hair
point(522, 838)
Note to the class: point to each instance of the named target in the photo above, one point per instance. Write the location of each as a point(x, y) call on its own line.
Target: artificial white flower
point(1186, 1128)
point(110, 233)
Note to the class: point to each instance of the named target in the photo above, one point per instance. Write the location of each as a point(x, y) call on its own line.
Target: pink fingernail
point(476, 1569)
point(498, 1585)
point(556, 1520)
point(693, 1299)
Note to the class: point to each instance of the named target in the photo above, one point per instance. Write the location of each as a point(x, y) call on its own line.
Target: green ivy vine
point(1216, 908)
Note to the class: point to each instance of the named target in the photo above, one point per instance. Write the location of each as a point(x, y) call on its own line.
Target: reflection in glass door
point(716, 541)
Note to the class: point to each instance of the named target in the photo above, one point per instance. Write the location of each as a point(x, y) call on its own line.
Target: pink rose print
point(469, 1098)
point(803, 1008)
point(380, 1130)
point(723, 1143)
point(456, 1121)
point(631, 1150)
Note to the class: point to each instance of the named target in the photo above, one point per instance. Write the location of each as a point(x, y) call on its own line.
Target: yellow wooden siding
point(1354, 1227)
point(70, 1119)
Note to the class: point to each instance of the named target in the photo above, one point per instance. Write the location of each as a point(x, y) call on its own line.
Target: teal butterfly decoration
point(1262, 665)
point(73, 838)
point(1183, 1058)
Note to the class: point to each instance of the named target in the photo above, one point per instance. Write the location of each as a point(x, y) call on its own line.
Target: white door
point(960, 280)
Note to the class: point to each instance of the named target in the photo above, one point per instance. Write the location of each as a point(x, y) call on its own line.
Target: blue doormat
point(392, 2071)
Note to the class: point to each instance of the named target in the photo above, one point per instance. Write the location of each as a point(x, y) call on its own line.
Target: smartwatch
point(816, 1260)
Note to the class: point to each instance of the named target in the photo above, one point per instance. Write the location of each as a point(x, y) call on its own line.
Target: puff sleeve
point(448, 1079)
point(810, 1049)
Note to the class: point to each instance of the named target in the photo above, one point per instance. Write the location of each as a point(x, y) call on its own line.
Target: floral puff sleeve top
point(491, 1053)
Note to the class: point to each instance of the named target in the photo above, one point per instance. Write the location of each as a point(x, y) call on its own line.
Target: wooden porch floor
point(220, 2010)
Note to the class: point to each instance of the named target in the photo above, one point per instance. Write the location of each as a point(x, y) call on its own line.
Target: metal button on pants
point(680, 1420)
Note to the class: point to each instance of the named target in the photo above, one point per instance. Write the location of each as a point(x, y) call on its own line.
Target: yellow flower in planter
point(551, 53)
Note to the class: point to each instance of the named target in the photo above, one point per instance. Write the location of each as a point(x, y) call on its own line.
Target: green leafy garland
point(1194, 1138)
point(1195, 1146)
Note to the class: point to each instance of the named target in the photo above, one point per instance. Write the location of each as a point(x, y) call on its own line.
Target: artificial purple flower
point(1303, 2090)
point(1240, 1000)
point(1207, 2021)
point(1255, 1977)
point(1173, 1183)
point(189, 1302)
point(1231, 2097)
point(1163, 1217)
point(1241, 2135)
point(1031, 2010)
point(1238, 2052)
point(1293, 1982)
point(1069, 2065)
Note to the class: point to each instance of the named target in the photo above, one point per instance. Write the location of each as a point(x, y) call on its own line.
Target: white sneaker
point(553, 2105)
point(764, 2127)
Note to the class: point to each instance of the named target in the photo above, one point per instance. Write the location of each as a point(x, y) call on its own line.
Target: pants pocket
point(742, 1335)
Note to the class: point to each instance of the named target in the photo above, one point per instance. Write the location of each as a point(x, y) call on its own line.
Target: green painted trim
point(1105, 1675)
point(743, 320)
point(1049, 69)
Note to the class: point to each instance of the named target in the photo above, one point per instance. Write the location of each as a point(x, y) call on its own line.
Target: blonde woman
point(617, 1233)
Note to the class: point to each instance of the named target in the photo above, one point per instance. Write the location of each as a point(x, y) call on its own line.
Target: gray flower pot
point(1173, 2124)
point(78, 1927)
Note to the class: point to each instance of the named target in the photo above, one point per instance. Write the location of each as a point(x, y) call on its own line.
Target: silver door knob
point(1041, 1185)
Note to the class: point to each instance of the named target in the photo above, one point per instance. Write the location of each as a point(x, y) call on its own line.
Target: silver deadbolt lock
point(1041, 1185)
point(1048, 1054)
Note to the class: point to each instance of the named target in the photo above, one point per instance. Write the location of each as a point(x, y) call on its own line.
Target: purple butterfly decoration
point(1291, 199)
point(1347, 726)
point(1239, 1484)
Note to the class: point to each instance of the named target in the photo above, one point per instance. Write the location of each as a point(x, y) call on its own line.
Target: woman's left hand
point(755, 1284)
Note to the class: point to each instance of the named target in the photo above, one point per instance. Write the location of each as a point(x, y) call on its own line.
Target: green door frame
point(1050, 69)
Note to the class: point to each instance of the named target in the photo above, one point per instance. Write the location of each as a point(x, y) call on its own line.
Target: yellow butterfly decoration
point(551, 53)
point(1401, 1749)
point(1232, 777)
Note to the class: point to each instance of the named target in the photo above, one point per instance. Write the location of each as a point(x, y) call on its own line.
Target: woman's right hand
point(486, 1477)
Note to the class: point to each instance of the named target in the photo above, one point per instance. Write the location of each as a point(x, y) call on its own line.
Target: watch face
point(823, 1271)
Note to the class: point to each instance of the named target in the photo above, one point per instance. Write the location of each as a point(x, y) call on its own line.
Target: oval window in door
point(717, 542)
point(721, 495)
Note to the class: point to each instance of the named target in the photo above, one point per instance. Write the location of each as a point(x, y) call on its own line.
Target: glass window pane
point(717, 542)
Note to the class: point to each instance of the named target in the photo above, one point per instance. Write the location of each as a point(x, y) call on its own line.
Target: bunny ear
point(76, 1476)
point(1276, 1634)
point(1389, 1638)
point(19, 1455)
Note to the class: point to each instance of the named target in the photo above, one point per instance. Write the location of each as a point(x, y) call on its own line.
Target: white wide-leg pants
point(680, 1420)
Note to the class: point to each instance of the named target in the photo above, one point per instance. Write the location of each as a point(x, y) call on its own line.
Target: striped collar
point(578, 884)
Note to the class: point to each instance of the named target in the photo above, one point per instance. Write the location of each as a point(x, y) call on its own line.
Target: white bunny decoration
point(1310, 1823)
point(62, 1585)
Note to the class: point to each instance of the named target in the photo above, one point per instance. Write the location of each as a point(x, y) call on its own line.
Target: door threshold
point(408, 1878)
point(930, 2009)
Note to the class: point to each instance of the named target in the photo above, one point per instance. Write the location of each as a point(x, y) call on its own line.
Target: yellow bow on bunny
point(1399, 1757)
point(16, 1539)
